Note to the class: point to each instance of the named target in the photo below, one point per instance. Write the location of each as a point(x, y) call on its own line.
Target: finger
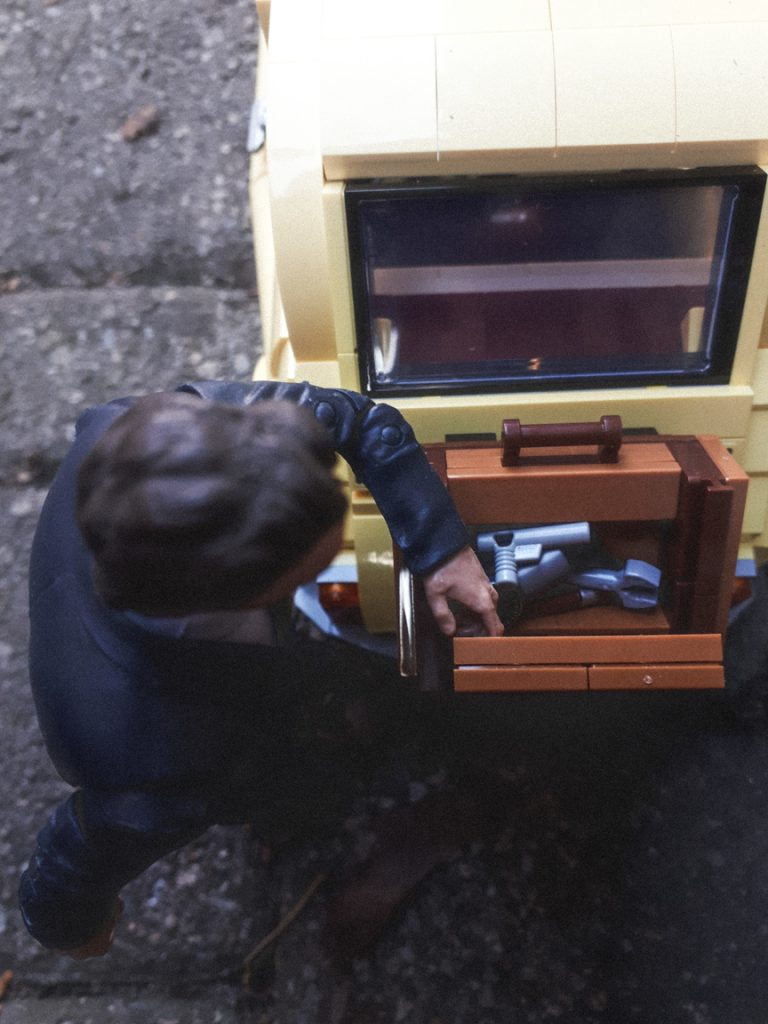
point(442, 614)
point(493, 624)
point(485, 608)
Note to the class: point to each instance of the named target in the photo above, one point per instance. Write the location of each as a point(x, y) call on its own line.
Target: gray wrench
point(635, 586)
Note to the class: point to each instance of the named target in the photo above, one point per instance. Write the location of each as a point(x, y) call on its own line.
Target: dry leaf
point(143, 122)
point(5, 983)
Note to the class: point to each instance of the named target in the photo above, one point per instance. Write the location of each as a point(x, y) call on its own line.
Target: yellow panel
point(262, 9)
point(658, 156)
point(295, 171)
point(501, 67)
point(542, 161)
point(373, 547)
point(492, 15)
point(294, 28)
point(270, 307)
point(349, 372)
point(706, 410)
point(324, 374)
point(364, 19)
point(722, 78)
point(378, 96)
point(756, 511)
point(526, 161)
point(753, 456)
point(614, 87)
point(751, 364)
point(277, 361)
point(339, 263)
point(594, 13)
point(603, 13)
point(716, 11)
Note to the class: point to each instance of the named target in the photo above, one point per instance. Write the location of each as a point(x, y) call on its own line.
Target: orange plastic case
point(676, 502)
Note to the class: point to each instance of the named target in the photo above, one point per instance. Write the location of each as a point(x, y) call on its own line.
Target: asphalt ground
point(599, 859)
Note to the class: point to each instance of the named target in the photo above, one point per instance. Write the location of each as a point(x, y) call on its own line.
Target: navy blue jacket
point(163, 735)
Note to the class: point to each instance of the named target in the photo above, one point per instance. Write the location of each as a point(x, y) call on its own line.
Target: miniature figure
point(174, 521)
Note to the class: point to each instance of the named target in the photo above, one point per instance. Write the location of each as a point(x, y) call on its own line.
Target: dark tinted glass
point(508, 284)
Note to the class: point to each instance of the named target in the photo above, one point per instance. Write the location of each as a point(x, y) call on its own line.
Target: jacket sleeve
point(67, 893)
point(383, 453)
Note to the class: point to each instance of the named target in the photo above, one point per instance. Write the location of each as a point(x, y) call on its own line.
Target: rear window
point(509, 283)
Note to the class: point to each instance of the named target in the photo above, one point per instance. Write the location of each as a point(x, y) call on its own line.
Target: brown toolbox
point(676, 503)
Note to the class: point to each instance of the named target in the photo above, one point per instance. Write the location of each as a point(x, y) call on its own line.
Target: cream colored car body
point(433, 88)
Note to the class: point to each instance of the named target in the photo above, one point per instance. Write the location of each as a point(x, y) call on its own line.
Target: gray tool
point(553, 568)
point(525, 546)
point(634, 586)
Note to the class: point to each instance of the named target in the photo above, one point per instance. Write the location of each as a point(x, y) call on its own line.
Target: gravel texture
point(83, 207)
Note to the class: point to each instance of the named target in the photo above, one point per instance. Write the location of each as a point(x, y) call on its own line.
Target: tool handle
point(606, 435)
point(568, 601)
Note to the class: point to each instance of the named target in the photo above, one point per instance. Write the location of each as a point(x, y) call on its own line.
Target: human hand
point(101, 943)
point(462, 579)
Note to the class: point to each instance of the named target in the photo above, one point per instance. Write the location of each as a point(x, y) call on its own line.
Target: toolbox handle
point(606, 435)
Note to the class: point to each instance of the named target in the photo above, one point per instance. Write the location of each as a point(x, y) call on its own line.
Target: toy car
point(542, 210)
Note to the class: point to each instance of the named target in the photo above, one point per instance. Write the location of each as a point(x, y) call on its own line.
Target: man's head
point(189, 505)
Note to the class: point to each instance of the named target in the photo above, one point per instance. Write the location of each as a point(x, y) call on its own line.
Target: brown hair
point(189, 505)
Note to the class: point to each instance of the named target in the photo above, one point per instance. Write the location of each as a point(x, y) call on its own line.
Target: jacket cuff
point(58, 906)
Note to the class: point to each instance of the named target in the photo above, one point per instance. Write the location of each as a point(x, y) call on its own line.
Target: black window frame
point(727, 317)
